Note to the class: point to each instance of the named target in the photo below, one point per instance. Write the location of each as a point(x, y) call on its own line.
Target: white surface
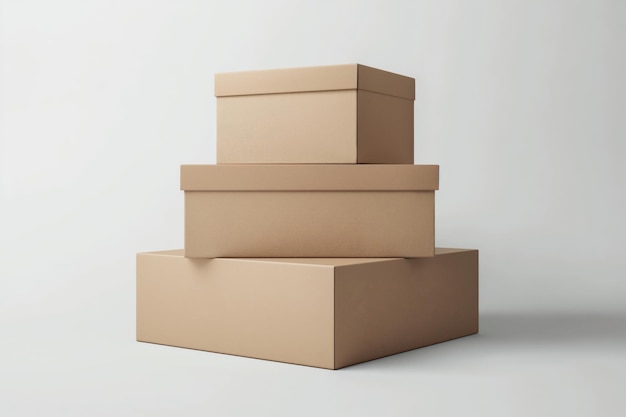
point(521, 102)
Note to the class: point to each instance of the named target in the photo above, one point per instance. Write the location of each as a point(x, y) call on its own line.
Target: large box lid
point(326, 78)
point(313, 177)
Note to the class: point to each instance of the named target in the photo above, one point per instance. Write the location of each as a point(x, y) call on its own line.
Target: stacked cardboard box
point(312, 240)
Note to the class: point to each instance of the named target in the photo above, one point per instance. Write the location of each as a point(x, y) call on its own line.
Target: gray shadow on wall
point(516, 334)
point(541, 329)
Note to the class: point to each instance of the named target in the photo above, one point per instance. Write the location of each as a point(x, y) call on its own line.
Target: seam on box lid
point(287, 92)
point(315, 91)
point(384, 94)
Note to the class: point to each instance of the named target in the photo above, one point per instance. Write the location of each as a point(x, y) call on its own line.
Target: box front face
point(313, 127)
point(309, 224)
point(390, 307)
point(265, 310)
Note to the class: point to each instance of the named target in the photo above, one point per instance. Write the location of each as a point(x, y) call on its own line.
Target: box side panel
point(316, 127)
point(309, 224)
point(391, 307)
point(385, 129)
point(379, 81)
point(280, 312)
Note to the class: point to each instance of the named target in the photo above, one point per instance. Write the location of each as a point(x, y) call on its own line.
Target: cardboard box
point(309, 210)
point(328, 313)
point(333, 114)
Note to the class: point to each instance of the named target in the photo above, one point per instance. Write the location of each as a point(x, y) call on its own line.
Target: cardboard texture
point(309, 210)
point(327, 313)
point(333, 114)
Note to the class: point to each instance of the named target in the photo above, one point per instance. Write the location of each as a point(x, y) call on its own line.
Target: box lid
point(332, 262)
point(313, 177)
point(327, 78)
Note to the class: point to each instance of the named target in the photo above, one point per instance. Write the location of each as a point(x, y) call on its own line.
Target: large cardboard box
point(333, 114)
point(328, 313)
point(309, 210)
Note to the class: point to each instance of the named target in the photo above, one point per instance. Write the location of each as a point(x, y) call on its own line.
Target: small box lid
point(313, 177)
point(326, 78)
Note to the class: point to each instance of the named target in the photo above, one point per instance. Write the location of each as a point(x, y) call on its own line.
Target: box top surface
point(331, 262)
point(312, 177)
point(325, 78)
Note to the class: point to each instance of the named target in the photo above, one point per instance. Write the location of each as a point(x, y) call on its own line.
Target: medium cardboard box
point(333, 114)
point(328, 313)
point(309, 210)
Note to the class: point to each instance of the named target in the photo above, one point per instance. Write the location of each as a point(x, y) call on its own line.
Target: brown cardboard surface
point(385, 142)
point(287, 80)
point(309, 224)
point(334, 114)
point(314, 177)
point(385, 82)
point(309, 211)
point(281, 312)
point(327, 313)
point(438, 296)
point(289, 128)
point(322, 78)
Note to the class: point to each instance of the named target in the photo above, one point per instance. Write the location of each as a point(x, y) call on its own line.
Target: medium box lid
point(331, 262)
point(313, 177)
point(326, 78)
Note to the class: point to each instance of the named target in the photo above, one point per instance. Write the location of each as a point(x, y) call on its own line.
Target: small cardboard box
point(309, 210)
point(333, 114)
point(328, 313)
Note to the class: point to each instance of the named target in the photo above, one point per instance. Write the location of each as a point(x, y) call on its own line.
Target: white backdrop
point(520, 102)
